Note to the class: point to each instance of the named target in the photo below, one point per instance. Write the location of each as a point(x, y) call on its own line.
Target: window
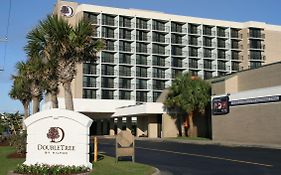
point(255, 55)
point(89, 68)
point(176, 72)
point(207, 64)
point(158, 73)
point(89, 93)
point(141, 59)
point(107, 32)
point(176, 39)
point(234, 33)
point(193, 52)
point(107, 82)
point(89, 81)
point(176, 50)
point(142, 35)
point(158, 49)
point(124, 95)
point(124, 83)
point(107, 57)
point(221, 32)
point(109, 45)
point(107, 94)
point(235, 66)
point(141, 72)
point(193, 72)
point(221, 43)
point(234, 44)
point(193, 29)
point(142, 23)
point(124, 34)
point(141, 84)
point(176, 62)
point(176, 27)
point(141, 47)
point(107, 70)
point(156, 95)
point(207, 42)
point(221, 65)
point(256, 33)
point(141, 96)
point(235, 55)
point(158, 37)
point(255, 44)
point(158, 61)
point(158, 25)
point(207, 30)
point(108, 20)
point(125, 46)
point(193, 63)
point(221, 54)
point(207, 53)
point(255, 65)
point(124, 71)
point(158, 84)
point(91, 17)
point(193, 40)
point(207, 75)
point(124, 58)
point(124, 21)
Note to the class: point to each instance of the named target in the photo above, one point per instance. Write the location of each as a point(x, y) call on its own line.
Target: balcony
point(161, 40)
point(194, 43)
point(126, 36)
point(238, 58)
point(222, 45)
point(236, 46)
point(143, 38)
point(209, 44)
point(109, 35)
point(160, 52)
point(236, 35)
point(179, 54)
point(195, 54)
point(123, 24)
point(179, 41)
point(222, 34)
point(256, 35)
point(161, 28)
point(194, 31)
point(110, 22)
point(260, 46)
point(178, 30)
point(126, 49)
point(210, 56)
point(110, 48)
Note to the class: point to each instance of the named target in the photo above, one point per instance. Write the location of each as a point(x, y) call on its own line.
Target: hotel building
point(145, 50)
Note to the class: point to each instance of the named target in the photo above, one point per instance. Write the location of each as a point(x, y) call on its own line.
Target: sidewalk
point(212, 142)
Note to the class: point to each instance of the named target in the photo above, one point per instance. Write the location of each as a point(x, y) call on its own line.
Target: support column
point(99, 127)
point(129, 124)
point(105, 127)
point(119, 124)
point(111, 127)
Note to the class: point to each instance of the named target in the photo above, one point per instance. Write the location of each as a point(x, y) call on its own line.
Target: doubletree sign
point(220, 105)
point(58, 137)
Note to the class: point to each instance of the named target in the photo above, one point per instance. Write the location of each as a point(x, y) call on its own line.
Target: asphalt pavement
point(173, 158)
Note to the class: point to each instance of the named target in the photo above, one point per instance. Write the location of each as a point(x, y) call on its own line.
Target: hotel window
point(141, 96)
point(141, 84)
point(221, 43)
point(176, 62)
point(107, 82)
point(141, 47)
point(158, 49)
point(255, 55)
point(125, 46)
point(107, 57)
point(124, 21)
point(256, 33)
point(108, 20)
point(158, 25)
point(93, 18)
point(207, 42)
point(156, 95)
point(235, 55)
point(141, 35)
point(109, 45)
point(124, 95)
point(221, 32)
point(176, 27)
point(89, 93)
point(176, 39)
point(193, 72)
point(158, 84)
point(234, 33)
point(235, 66)
point(158, 73)
point(124, 58)
point(193, 40)
point(141, 72)
point(193, 52)
point(207, 53)
point(158, 37)
point(193, 29)
point(255, 44)
point(89, 81)
point(142, 23)
point(221, 54)
point(107, 32)
point(124, 83)
point(141, 59)
point(234, 44)
point(255, 65)
point(207, 30)
point(221, 65)
point(107, 70)
point(158, 61)
point(193, 63)
point(125, 34)
point(124, 71)
point(107, 94)
point(89, 68)
point(176, 72)
point(208, 75)
point(207, 64)
point(177, 50)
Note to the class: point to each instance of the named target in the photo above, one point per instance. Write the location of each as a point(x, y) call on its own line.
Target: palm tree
point(69, 45)
point(21, 91)
point(39, 45)
point(188, 94)
point(31, 71)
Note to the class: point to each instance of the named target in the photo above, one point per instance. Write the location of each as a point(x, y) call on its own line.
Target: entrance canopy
point(138, 110)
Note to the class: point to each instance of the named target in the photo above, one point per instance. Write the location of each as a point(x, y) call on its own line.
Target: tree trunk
point(26, 114)
point(35, 105)
point(68, 96)
point(191, 125)
point(54, 99)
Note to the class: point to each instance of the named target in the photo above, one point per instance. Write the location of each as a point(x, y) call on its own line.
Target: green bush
point(19, 142)
point(44, 169)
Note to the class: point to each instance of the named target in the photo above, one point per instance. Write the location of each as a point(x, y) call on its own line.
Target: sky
point(25, 14)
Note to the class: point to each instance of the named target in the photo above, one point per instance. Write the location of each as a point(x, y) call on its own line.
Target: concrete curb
point(157, 171)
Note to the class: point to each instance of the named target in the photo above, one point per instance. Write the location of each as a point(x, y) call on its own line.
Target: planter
point(12, 173)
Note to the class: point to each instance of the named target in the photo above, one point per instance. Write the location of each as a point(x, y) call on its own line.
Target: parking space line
point(210, 157)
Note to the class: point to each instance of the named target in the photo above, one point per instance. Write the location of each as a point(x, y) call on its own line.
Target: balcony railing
point(161, 40)
point(161, 28)
point(126, 36)
point(179, 41)
point(126, 24)
point(194, 31)
point(110, 22)
point(178, 29)
point(143, 50)
point(126, 49)
point(143, 38)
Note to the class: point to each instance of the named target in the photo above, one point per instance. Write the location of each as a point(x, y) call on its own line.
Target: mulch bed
point(15, 155)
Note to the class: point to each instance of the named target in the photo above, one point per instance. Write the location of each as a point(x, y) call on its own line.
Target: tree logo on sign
point(56, 134)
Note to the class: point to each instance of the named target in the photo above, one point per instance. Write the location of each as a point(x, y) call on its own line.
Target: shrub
point(44, 169)
point(19, 142)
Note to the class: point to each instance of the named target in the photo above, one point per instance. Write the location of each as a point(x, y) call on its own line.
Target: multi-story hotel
point(145, 50)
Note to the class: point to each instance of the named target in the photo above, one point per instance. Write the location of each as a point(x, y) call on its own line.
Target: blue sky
point(25, 14)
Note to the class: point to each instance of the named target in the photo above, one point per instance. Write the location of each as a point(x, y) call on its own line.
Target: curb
point(157, 171)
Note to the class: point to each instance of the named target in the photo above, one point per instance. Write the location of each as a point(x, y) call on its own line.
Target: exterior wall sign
point(66, 11)
point(58, 136)
point(256, 100)
point(220, 105)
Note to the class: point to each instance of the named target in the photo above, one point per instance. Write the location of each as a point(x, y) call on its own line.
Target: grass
point(6, 164)
point(105, 165)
